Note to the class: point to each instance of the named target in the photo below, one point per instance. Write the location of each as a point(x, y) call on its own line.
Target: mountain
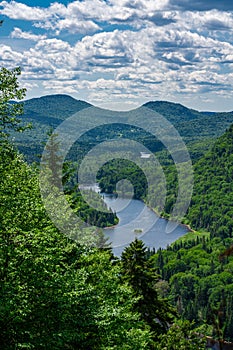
point(44, 113)
point(190, 123)
point(172, 110)
point(52, 108)
point(198, 129)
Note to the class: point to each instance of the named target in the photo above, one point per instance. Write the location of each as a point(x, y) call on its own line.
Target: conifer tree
point(139, 272)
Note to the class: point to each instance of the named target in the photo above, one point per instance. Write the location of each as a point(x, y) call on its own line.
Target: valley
point(195, 271)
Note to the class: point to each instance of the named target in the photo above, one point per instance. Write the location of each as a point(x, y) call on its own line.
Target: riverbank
point(135, 214)
point(167, 217)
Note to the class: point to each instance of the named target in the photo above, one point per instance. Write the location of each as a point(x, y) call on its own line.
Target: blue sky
point(119, 54)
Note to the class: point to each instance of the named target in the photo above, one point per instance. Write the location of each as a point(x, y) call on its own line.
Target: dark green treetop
point(139, 272)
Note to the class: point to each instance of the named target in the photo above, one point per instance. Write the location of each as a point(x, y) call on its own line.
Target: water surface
point(138, 220)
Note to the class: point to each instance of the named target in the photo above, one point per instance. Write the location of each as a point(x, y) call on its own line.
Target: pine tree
point(53, 160)
point(139, 272)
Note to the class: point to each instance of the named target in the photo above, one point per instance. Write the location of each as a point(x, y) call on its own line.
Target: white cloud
point(10, 57)
point(52, 46)
point(73, 25)
point(136, 61)
point(19, 34)
point(30, 86)
point(17, 10)
point(81, 16)
point(152, 52)
point(48, 58)
point(56, 17)
point(213, 20)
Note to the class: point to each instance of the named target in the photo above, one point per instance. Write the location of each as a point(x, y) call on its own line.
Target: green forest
point(57, 293)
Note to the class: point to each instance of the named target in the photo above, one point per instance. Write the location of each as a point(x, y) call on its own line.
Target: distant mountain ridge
point(208, 124)
point(47, 112)
point(53, 106)
point(175, 109)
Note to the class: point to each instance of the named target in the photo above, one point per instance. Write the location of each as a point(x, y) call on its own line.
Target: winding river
point(138, 220)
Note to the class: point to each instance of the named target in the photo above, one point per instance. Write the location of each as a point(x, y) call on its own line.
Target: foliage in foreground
point(10, 113)
point(55, 293)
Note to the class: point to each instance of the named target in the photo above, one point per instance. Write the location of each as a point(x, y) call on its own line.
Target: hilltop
point(191, 123)
point(45, 113)
point(52, 108)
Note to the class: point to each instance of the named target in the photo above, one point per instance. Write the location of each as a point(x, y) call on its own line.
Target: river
point(138, 220)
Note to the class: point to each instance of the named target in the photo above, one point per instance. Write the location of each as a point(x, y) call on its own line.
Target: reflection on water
point(137, 220)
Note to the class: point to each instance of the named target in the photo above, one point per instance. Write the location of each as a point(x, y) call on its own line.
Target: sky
point(119, 54)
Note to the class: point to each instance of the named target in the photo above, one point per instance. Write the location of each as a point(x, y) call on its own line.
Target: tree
point(180, 336)
point(55, 293)
point(52, 158)
point(9, 90)
point(138, 271)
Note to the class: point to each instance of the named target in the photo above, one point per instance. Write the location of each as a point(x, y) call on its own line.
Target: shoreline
point(187, 226)
point(109, 227)
point(165, 218)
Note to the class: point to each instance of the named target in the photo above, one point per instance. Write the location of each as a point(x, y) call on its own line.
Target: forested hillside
point(191, 123)
point(197, 276)
point(45, 114)
point(198, 129)
point(59, 107)
point(212, 199)
point(197, 270)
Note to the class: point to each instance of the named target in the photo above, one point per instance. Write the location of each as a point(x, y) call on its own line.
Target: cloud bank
point(114, 53)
